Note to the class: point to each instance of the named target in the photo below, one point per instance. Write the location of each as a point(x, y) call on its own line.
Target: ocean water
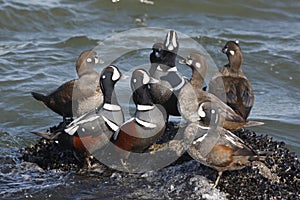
point(40, 42)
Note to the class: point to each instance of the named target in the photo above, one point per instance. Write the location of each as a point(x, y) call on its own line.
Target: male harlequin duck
point(215, 146)
point(148, 123)
point(92, 131)
point(163, 59)
point(192, 95)
point(231, 85)
point(62, 99)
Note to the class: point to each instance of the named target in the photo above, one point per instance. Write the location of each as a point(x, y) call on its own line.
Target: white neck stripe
point(111, 124)
point(111, 107)
point(180, 85)
point(172, 69)
point(144, 123)
point(200, 139)
point(204, 127)
point(144, 107)
point(159, 68)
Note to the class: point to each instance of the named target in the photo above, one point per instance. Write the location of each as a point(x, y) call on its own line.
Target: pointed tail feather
point(253, 123)
point(47, 135)
point(39, 97)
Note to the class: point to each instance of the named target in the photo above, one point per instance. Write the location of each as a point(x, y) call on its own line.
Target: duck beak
point(153, 80)
point(183, 61)
point(224, 50)
point(124, 77)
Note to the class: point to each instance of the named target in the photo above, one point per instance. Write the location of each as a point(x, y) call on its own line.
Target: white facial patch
point(168, 39)
point(116, 75)
point(231, 52)
point(103, 77)
point(225, 50)
point(134, 80)
point(157, 54)
point(201, 112)
point(198, 65)
point(96, 60)
point(237, 41)
point(174, 42)
point(146, 78)
point(89, 60)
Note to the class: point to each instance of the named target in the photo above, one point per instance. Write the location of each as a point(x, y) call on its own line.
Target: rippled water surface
point(40, 42)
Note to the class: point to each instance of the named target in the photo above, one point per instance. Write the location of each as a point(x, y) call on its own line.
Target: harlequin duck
point(93, 130)
point(215, 146)
point(231, 85)
point(148, 122)
point(192, 95)
point(163, 59)
point(62, 99)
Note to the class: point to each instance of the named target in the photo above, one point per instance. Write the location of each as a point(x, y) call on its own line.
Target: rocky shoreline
point(190, 178)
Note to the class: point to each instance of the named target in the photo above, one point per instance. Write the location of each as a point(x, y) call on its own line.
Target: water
point(40, 43)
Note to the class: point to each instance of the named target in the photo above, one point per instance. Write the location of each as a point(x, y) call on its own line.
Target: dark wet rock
point(186, 178)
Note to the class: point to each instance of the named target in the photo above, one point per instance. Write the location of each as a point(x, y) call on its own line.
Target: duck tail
point(47, 135)
point(39, 97)
point(253, 123)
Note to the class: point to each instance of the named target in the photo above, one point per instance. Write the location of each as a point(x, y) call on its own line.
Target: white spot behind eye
point(89, 60)
point(134, 80)
point(231, 52)
point(103, 77)
point(237, 41)
point(198, 65)
point(116, 74)
point(216, 120)
point(83, 130)
point(213, 111)
point(96, 60)
point(201, 112)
